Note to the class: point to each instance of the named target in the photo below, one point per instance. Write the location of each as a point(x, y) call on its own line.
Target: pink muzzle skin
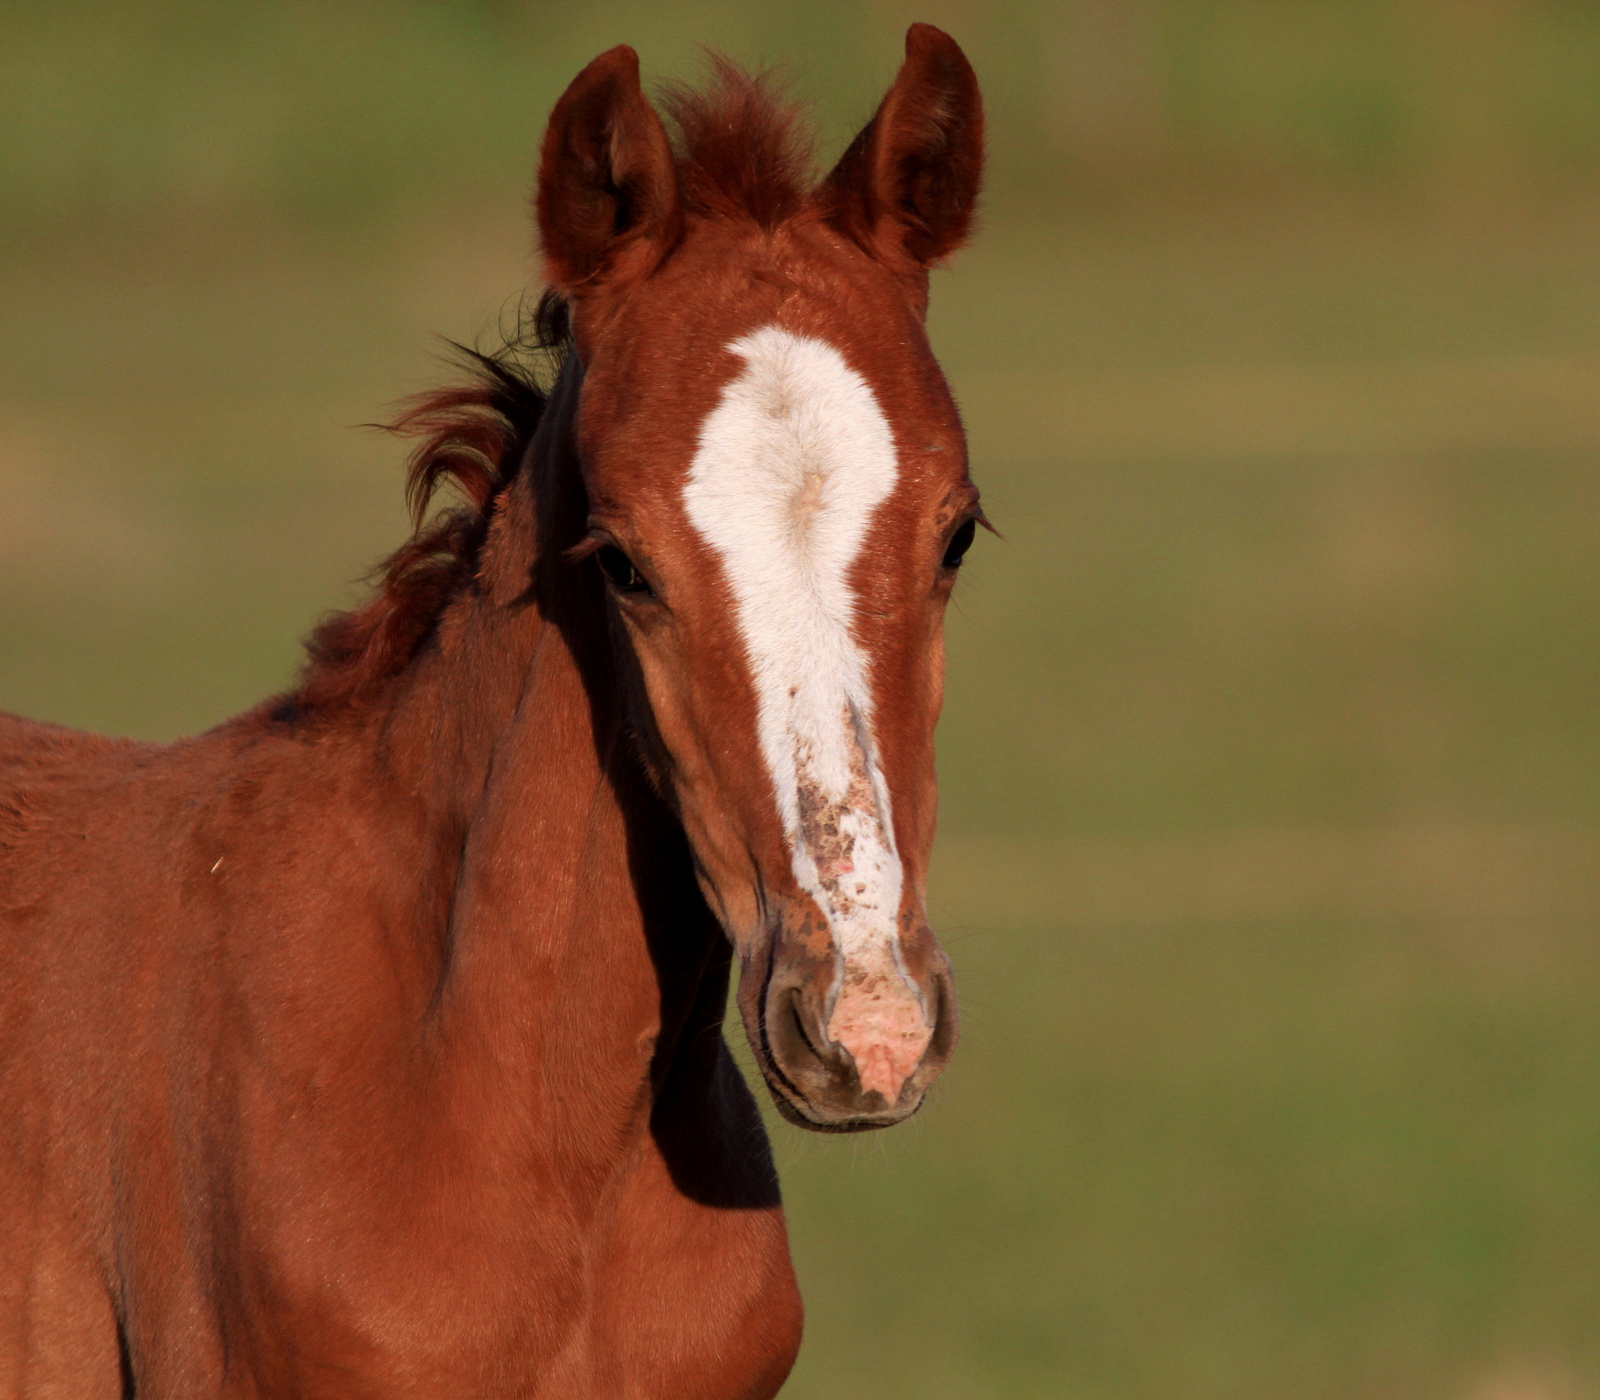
point(878, 1018)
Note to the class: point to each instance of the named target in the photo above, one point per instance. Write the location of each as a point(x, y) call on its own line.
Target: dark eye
point(960, 543)
point(619, 570)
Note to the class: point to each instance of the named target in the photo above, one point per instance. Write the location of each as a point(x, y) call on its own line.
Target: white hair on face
point(789, 468)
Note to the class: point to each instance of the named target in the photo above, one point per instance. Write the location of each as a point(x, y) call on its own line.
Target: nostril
point(946, 1020)
point(800, 1026)
point(792, 1039)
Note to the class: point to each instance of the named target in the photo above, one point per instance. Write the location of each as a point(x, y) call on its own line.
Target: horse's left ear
point(608, 188)
point(907, 186)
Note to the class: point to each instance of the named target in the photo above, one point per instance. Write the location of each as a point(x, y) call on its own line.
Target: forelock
point(742, 147)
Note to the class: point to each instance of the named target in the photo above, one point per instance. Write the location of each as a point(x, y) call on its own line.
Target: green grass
point(1271, 762)
point(1291, 1157)
point(344, 112)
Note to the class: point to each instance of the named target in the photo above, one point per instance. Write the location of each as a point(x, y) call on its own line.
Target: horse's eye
point(960, 543)
point(619, 570)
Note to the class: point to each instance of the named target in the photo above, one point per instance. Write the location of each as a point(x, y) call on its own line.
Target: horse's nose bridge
point(842, 839)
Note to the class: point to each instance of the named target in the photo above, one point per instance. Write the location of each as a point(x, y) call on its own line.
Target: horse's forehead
point(797, 434)
point(787, 384)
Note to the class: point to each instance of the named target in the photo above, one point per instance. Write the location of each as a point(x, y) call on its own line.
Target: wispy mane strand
point(471, 437)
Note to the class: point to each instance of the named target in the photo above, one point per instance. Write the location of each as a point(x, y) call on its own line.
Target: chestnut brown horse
point(369, 1045)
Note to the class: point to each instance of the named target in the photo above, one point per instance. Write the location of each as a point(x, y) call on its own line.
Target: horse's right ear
point(608, 187)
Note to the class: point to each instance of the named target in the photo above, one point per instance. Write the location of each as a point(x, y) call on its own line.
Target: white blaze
point(790, 467)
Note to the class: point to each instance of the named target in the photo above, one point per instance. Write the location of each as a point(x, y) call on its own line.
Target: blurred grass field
point(1270, 853)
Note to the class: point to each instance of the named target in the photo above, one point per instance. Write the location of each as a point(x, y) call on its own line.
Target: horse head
point(778, 500)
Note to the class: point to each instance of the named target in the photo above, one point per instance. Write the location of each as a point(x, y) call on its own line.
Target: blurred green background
point(1271, 830)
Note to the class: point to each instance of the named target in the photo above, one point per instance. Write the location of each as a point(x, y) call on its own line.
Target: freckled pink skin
point(879, 1020)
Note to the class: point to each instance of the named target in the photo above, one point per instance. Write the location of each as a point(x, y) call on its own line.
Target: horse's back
point(34, 750)
point(51, 778)
point(80, 834)
point(61, 881)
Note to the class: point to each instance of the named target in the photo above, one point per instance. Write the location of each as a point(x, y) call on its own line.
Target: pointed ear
point(608, 187)
point(908, 184)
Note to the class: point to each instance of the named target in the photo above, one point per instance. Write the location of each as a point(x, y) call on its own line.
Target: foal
point(370, 1044)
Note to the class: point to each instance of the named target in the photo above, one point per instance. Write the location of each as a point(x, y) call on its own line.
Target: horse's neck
point(573, 927)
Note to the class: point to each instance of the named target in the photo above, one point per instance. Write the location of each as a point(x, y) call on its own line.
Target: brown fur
point(369, 1045)
point(741, 151)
